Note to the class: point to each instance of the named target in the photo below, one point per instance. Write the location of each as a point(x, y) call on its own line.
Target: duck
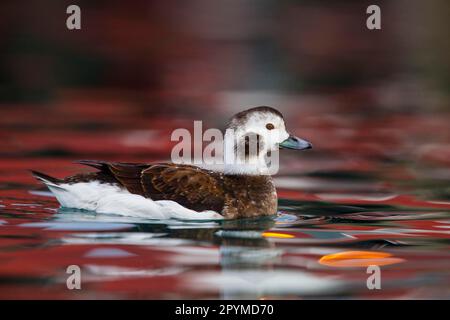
point(233, 190)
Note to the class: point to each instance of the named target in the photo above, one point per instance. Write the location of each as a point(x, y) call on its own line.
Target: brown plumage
point(233, 196)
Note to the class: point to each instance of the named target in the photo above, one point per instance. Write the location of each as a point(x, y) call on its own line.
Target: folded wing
point(190, 186)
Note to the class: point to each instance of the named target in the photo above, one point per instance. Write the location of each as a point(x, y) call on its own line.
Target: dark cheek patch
point(250, 145)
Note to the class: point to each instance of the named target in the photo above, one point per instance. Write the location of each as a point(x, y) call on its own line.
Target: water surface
point(349, 203)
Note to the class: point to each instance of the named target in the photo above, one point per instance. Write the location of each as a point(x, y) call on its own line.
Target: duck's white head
point(253, 136)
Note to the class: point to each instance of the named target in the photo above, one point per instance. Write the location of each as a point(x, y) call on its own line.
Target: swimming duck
point(160, 190)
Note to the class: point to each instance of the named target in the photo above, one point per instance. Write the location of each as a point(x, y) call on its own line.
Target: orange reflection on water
point(359, 259)
point(277, 235)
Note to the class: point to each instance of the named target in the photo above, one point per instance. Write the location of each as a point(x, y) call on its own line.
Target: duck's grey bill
point(295, 143)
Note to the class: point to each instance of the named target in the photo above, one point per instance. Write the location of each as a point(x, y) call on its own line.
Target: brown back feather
point(190, 186)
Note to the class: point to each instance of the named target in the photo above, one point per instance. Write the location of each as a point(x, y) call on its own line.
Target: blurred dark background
point(167, 56)
point(136, 70)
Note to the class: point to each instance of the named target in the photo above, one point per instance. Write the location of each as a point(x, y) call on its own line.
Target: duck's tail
point(47, 180)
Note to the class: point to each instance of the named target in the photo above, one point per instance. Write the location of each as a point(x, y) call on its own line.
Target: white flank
point(112, 199)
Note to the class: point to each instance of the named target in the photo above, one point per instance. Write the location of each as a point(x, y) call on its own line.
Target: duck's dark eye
point(270, 126)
